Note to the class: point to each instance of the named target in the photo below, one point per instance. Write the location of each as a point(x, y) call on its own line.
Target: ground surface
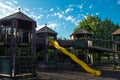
point(77, 73)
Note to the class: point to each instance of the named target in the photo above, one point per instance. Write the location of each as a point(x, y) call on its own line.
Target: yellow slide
point(74, 58)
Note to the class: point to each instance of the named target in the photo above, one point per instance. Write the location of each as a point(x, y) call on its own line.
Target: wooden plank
point(6, 75)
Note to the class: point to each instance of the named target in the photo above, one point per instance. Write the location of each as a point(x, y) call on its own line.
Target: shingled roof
point(18, 15)
point(116, 32)
point(45, 29)
point(81, 32)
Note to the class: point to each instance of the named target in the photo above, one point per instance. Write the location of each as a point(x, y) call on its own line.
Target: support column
point(114, 65)
point(56, 57)
point(34, 40)
point(114, 47)
point(46, 50)
point(86, 50)
point(13, 49)
point(91, 59)
point(119, 60)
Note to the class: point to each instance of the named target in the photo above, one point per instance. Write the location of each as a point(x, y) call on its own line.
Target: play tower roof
point(116, 32)
point(17, 15)
point(80, 32)
point(45, 29)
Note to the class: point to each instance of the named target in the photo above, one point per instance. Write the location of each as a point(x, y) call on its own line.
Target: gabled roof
point(45, 29)
point(18, 15)
point(81, 32)
point(116, 32)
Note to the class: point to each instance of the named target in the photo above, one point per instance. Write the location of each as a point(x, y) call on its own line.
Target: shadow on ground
point(111, 74)
point(77, 73)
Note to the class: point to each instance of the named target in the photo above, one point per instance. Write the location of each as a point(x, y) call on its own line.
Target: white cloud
point(14, 1)
point(73, 20)
point(97, 13)
point(60, 15)
point(71, 5)
point(36, 17)
point(9, 3)
point(40, 9)
point(69, 18)
point(51, 9)
point(76, 22)
point(53, 25)
point(118, 1)
point(7, 8)
point(26, 9)
point(40, 26)
point(55, 14)
point(68, 10)
point(81, 16)
point(39, 16)
point(80, 6)
point(90, 6)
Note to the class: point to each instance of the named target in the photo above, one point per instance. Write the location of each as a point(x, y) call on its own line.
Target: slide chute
point(75, 59)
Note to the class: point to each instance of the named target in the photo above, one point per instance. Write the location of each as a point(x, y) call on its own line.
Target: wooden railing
point(107, 44)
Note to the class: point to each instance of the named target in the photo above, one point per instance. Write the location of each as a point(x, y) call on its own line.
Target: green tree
point(105, 29)
point(100, 29)
point(90, 24)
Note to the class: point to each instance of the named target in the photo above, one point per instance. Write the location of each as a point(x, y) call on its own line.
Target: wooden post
point(46, 49)
point(113, 47)
point(86, 51)
point(118, 59)
point(114, 66)
point(15, 43)
point(34, 40)
point(91, 58)
point(56, 57)
point(5, 40)
point(13, 51)
point(99, 57)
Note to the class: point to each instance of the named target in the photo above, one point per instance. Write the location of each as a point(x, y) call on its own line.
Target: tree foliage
point(100, 29)
point(105, 29)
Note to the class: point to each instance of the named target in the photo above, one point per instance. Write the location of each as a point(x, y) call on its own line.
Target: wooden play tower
point(17, 46)
point(81, 41)
point(116, 47)
point(44, 35)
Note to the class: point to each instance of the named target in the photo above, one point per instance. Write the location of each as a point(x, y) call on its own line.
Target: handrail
point(101, 40)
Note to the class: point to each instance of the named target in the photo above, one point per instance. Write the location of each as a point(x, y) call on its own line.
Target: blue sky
point(62, 15)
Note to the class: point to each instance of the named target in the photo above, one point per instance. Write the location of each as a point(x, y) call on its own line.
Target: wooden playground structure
point(79, 40)
point(17, 46)
point(19, 43)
